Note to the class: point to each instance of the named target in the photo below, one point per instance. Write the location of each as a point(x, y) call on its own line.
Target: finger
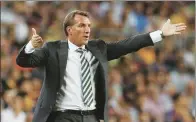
point(34, 31)
point(42, 40)
point(180, 28)
point(39, 40)
point(35, 36)
point(176, 33)
point(180, 24)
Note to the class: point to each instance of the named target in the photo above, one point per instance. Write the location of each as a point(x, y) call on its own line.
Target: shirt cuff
point(156, 36)
point(29, 48)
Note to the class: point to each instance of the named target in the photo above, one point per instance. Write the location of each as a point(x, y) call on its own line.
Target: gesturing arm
point(33, 54)
point(132, 44)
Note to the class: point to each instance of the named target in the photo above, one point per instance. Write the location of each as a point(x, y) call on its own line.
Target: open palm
point(169, 29)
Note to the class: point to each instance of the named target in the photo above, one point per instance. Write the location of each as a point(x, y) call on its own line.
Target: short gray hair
point(69, 19)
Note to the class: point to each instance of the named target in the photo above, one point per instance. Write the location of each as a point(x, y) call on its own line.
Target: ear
point(68, 29)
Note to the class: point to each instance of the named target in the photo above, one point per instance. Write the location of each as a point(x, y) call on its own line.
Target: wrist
point(29, 48)
point(31, 45)
point(161, 33)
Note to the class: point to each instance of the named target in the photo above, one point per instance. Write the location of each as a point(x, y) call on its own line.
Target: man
point(75, 83)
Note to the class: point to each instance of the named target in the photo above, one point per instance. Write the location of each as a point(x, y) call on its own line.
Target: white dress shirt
point(70, 95)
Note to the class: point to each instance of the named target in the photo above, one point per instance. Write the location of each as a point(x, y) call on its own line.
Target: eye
point(81, 25)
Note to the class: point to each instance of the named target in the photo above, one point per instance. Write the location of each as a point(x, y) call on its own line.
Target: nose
point(87, 30)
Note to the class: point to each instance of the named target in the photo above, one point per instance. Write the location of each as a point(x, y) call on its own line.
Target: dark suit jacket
point(53, 56)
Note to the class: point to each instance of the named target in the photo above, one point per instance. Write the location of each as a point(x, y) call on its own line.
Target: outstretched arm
point(132, 44)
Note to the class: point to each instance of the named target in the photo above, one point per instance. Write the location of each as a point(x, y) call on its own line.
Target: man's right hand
point(36, 40)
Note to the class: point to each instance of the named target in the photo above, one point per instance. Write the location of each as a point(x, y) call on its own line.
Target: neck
point(74, 42)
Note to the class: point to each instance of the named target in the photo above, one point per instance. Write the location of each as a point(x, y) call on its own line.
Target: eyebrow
point(83, 24)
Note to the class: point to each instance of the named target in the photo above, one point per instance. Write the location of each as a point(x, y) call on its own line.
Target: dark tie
point(86, 79)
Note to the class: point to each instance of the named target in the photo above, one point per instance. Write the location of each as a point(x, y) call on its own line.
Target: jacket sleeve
point(132, 44)
point(34, 59)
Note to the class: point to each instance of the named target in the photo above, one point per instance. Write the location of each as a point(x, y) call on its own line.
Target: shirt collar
point(73, 47)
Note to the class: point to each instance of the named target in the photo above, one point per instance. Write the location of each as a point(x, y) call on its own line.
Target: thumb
point(168, 21)
point(34, 31)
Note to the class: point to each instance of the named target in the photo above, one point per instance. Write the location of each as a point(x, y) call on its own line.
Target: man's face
point(79, 32)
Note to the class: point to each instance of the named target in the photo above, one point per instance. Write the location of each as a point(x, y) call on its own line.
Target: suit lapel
point(62, 53)
point(96, 52)
point(101, 81)
point(62, 56)
point(92, 47)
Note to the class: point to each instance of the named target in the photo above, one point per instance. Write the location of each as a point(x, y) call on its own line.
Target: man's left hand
point(169, 29)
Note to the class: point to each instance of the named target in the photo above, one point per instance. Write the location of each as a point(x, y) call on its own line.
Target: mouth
point(86, 37)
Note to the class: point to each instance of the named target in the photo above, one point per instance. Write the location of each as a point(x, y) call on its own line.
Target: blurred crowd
point(154, 84)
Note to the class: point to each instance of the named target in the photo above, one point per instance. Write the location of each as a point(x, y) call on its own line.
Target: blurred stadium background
point(155, 84)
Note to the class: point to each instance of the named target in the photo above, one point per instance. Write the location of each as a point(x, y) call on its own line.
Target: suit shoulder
point(97, 42)
point(55, 43)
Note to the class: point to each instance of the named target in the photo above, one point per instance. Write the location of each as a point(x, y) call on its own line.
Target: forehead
point(81, 19)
